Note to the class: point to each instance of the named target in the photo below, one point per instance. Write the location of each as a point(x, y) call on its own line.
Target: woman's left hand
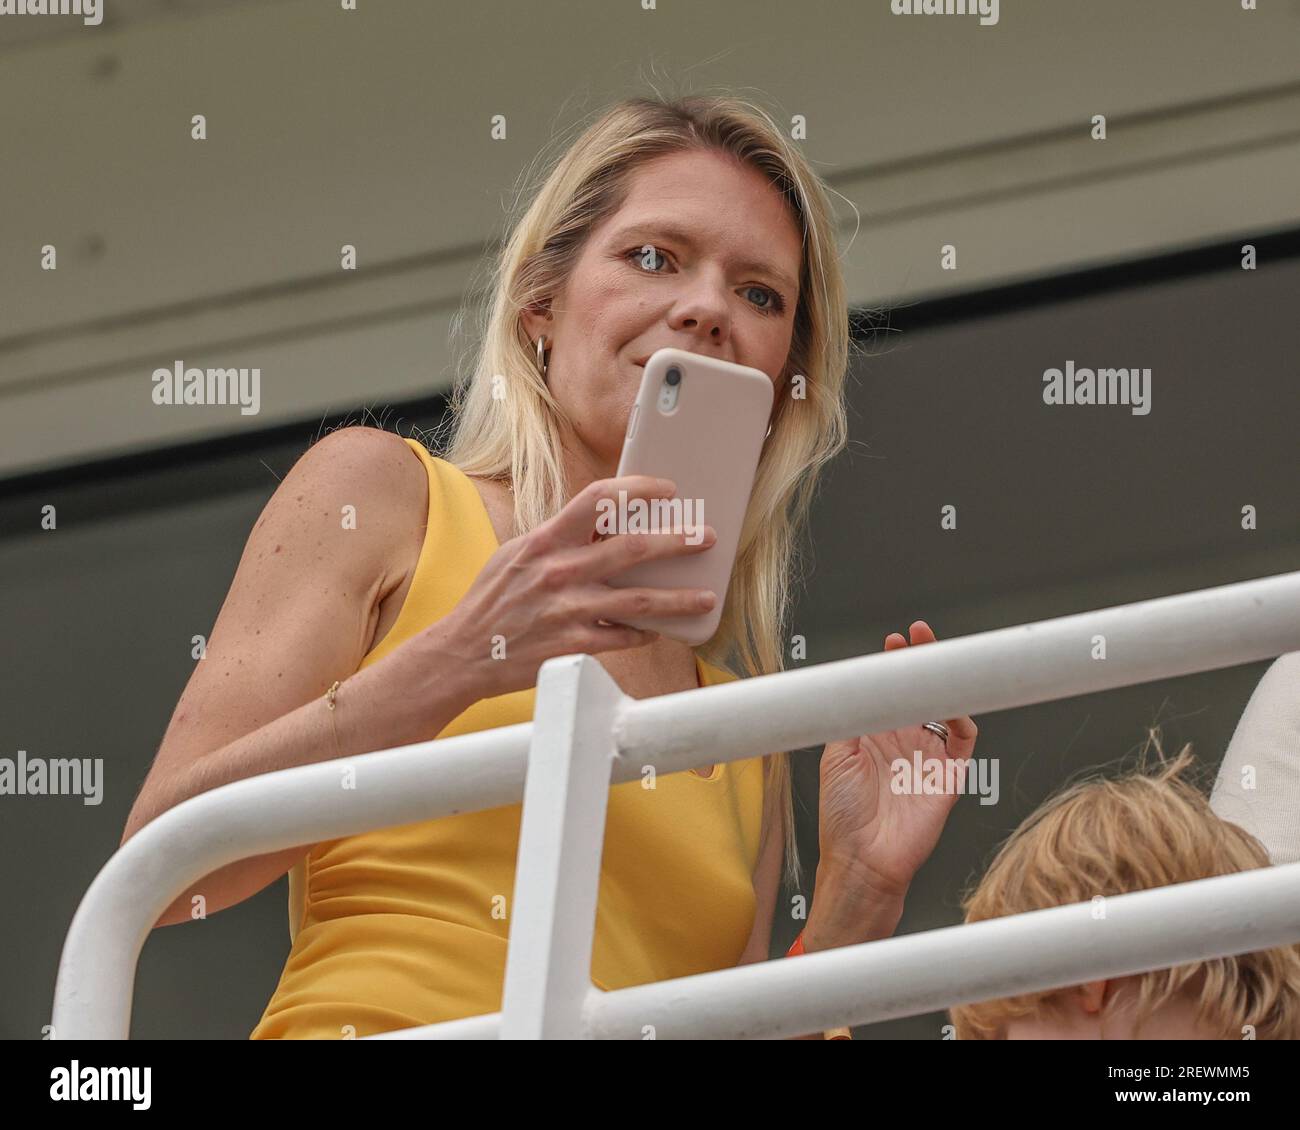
point(873, 840)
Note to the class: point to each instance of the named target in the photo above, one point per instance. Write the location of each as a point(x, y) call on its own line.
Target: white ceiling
point(371, 127)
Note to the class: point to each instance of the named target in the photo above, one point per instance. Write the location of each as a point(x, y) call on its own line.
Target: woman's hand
point(873, 840)
point(544, 594)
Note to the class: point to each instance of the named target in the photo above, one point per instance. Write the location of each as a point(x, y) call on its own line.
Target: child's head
point(1149, 828)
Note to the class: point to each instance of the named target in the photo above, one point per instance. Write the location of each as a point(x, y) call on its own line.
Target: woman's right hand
point(544, 593)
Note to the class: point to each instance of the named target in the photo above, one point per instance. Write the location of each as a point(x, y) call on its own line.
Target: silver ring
point(937, 728)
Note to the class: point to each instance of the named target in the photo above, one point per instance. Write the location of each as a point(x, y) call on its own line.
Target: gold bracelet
point(330, 695)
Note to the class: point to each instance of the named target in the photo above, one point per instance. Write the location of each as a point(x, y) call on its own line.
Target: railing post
point(561, 837)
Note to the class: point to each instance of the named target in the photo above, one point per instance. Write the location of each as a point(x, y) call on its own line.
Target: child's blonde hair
point(1148, 828)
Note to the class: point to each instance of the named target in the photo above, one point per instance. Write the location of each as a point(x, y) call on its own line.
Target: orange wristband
point(830, 1033)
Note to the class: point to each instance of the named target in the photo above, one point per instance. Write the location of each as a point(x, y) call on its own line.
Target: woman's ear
point(537, 320)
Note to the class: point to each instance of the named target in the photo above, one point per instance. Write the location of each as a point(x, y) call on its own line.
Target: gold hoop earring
point(541, 354)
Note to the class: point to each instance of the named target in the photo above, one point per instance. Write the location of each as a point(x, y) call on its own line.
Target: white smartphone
point(701, 423)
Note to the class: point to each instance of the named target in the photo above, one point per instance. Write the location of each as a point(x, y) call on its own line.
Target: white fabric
point(1267, 739)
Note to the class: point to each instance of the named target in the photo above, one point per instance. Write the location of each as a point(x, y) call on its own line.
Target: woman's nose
point(703, 304)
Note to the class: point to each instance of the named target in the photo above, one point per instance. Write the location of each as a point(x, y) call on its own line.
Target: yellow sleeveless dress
point(408, 926)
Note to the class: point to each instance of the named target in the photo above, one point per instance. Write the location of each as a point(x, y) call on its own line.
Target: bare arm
point(299, 614)
point(302, 610)
point(767, 884)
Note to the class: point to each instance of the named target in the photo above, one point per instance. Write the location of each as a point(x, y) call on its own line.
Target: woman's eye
point(775, 304)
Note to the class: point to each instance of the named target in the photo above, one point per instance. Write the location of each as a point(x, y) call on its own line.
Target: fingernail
point(707, 599)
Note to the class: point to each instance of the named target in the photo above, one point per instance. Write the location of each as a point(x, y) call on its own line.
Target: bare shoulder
point(332, 542)
point(366, 480)
point(378, 462)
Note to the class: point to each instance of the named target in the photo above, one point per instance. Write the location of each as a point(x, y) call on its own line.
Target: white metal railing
point(586, 735)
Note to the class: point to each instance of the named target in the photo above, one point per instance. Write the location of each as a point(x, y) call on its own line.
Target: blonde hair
point(515, 437)
point(1147, 828)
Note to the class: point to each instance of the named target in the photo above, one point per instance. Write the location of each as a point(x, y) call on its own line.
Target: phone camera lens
point(674, 377)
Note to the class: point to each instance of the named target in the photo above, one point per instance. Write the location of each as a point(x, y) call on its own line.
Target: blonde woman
point(692, 224)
